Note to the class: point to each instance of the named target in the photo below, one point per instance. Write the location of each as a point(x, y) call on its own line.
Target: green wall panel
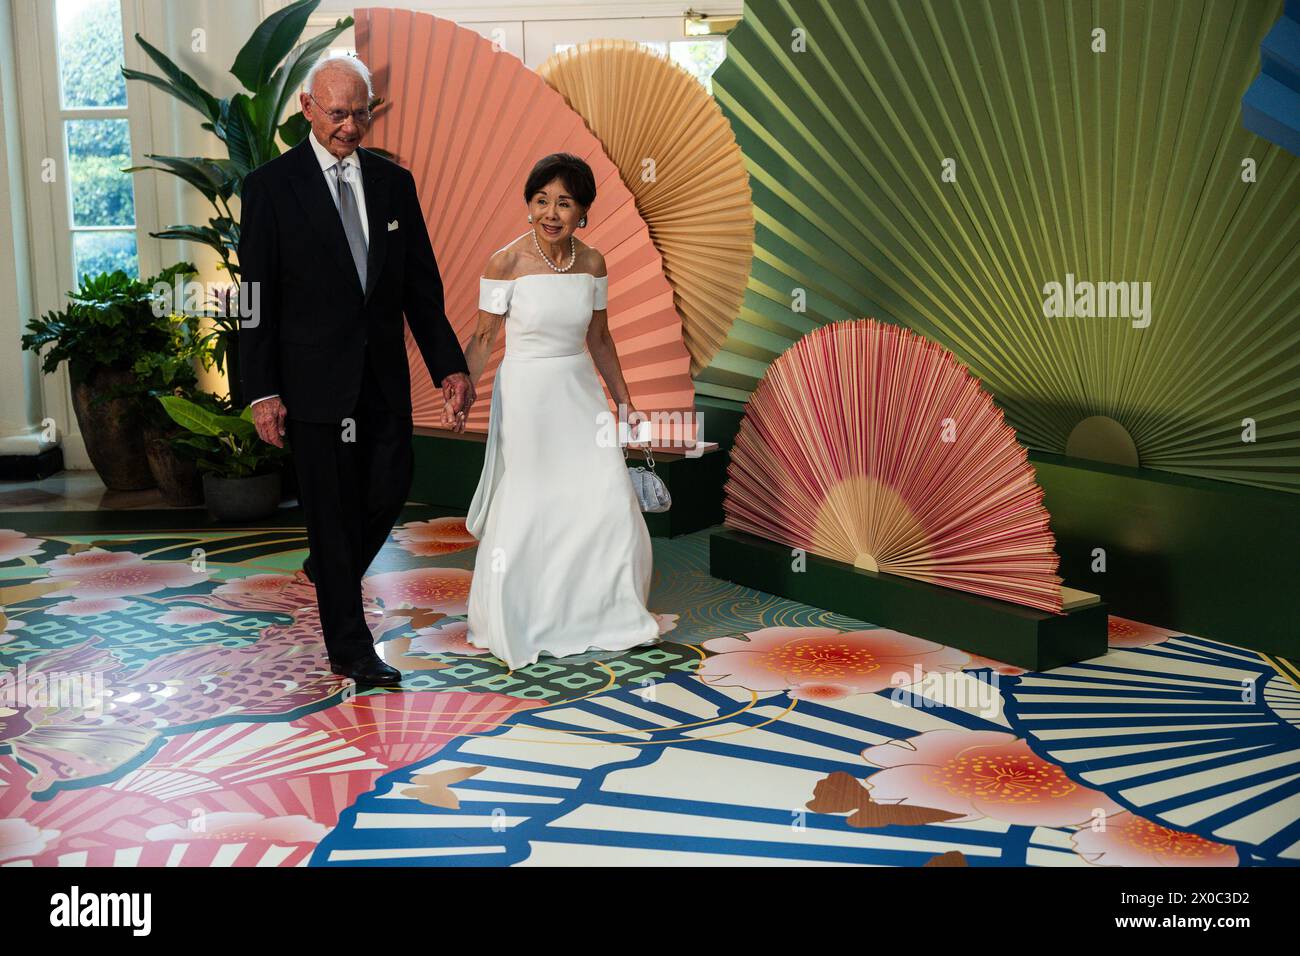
point(1123, 165)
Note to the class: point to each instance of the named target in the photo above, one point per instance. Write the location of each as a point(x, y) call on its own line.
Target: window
point(97, 138)
point(699, 57)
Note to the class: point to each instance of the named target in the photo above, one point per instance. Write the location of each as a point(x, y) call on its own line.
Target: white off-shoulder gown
point(564, 558)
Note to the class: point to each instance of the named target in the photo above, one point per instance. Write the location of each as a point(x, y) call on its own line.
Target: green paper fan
point(1069, 163)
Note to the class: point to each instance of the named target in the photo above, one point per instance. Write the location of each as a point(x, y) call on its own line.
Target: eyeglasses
point(362, 117)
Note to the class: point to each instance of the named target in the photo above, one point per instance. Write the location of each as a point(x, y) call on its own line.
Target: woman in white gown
point(564, 558)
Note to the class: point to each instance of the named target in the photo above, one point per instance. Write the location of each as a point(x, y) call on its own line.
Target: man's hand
point(451, 418)
point(268, 417)
point(458, 395)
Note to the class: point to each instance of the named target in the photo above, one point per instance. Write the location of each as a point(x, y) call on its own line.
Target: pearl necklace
point(573, 253)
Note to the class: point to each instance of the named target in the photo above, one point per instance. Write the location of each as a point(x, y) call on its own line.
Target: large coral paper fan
point(868, 444)
point(470, 120)
point(698, 205)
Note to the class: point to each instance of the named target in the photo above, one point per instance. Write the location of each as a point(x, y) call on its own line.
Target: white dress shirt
point(351, 173)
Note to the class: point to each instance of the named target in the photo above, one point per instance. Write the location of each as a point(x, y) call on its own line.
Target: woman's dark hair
point(571, 170)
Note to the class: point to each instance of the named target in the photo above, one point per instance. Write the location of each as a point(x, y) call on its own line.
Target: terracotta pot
point(113, 430)
point(177, 477)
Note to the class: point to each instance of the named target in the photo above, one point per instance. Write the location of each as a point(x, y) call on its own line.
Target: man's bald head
point(334, 86)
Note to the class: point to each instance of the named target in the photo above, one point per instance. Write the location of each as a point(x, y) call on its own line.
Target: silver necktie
point(351, 222)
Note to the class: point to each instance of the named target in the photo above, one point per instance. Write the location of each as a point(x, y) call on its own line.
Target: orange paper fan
point(470, 121)
point(698, 204)
point(868, 444)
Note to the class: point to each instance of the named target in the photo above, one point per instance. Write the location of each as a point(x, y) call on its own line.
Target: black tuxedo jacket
point(314, 323)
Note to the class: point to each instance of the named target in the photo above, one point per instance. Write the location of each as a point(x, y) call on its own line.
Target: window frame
point(93, 113)
point(63, 160)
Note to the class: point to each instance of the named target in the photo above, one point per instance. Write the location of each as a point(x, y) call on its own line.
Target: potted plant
point(241, 473)
point(109, 323)
point(175, 452)
point(172, 373)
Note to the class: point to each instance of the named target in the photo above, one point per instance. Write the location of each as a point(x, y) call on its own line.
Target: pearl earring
point(530, 217)
point(582, 223)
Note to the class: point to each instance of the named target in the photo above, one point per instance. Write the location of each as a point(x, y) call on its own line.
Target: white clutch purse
point(650, 489)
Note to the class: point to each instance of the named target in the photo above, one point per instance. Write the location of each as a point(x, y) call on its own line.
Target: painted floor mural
point(164, 700)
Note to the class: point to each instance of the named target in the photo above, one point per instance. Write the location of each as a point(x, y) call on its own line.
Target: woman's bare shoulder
point(590, 260)
point(502, 264)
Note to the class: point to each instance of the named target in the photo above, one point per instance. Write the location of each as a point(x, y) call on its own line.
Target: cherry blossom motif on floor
point(15, 544)
point(434, 537)
point(950, 775)
point(818, 663)
point(97, 580)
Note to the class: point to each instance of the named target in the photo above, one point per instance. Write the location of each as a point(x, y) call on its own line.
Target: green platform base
point(1034, 640)
point(1207, 558)
point(448, 466)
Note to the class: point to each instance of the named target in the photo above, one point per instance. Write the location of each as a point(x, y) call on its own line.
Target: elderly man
point(334, 237)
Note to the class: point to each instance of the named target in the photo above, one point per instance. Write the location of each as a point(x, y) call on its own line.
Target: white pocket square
point(392, 225)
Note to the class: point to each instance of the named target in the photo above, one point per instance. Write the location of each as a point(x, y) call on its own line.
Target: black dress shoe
point(372, 672)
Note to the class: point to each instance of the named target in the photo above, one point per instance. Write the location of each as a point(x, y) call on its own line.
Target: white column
point(20, 390)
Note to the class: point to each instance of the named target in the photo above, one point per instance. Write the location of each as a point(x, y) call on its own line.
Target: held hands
point(634, 419)
point(458, 395)
point(268, 418)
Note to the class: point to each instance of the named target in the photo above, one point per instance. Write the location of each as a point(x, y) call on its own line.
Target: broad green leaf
point(294, 130)
point(271, 41)
point(178, 83)
point(190, 416)
point(291, 74)
point(231, 425)
point(242, 136)
point(203, 174)
point(200, 234)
